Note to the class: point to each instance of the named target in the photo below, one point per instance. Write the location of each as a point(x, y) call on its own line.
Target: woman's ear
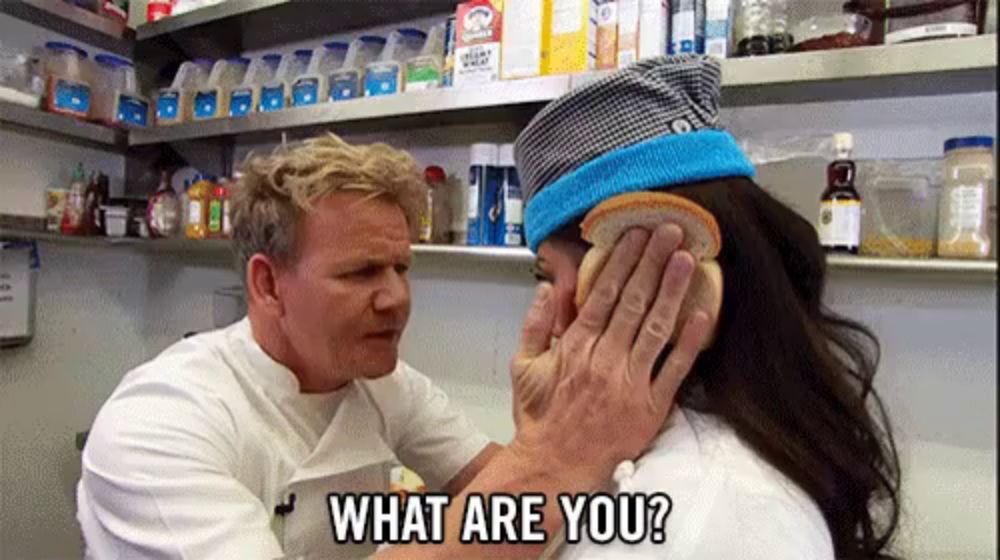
point(262, 285)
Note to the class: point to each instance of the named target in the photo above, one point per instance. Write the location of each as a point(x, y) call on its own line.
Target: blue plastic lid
point(303, 52)
point(968, 142)
point(238, 60)
point(372, 39)
point(336, 45)
point(272, 56)
point(412, 33)
point(203, 61)
point(60, 46)
point(112, 60)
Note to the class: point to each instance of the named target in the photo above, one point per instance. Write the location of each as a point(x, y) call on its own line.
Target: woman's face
point(559, 258)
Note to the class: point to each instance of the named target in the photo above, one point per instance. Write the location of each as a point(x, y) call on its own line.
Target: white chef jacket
point(728, 503)
point(193, 451)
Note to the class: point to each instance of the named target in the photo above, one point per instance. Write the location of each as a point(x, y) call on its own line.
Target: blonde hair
point(276, 191)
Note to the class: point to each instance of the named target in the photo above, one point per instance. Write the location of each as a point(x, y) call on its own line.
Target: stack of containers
point(244, 98)
point(117, 100)
point(385, 75)
point(424, 70)
point(67, 80)
point(346, 83)
point(212, 101)
point(276, 94)
point(174, 104)
point(314, 86)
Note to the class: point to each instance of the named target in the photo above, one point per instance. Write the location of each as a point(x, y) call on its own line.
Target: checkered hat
point(648, 126)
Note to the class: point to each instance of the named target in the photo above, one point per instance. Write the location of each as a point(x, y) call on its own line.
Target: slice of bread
point(608, 221)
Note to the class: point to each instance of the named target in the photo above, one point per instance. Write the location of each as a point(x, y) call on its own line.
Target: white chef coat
point(193, 451)
point(727, 501)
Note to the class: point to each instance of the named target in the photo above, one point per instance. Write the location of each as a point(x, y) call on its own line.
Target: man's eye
point(402, 268)
point(539, 274)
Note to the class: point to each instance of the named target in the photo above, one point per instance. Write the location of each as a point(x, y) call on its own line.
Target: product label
point(382, 80)
point(477, 21)
point(448, 72)
point(132, 110)
point(71, 97)
point(344, 85)
point(966, 208)
point(194, 212)
point(215, 216)
point(168, 106)
point(607, 35)
point(492, 208)
point(241, 102)
point(272, 99)
point(426, 219)
point(305, 92)
point(477, 64)
point(227, 225)
point(512, 232)
point(628, 32)
point(422, 76)
point(840, 223)
point(206, 104)
point(682, 33)
point(567, 16)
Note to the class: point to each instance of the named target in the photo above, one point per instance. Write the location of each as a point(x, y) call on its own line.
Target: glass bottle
point(840, 205)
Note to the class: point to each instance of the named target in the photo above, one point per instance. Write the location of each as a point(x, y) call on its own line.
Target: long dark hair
point(791, 377)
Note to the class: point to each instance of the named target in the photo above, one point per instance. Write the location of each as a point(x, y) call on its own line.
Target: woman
point(780, 447)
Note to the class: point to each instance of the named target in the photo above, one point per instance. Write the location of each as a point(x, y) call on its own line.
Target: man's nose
point(393, 290)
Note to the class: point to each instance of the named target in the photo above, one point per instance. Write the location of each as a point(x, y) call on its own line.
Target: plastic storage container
point(761, 27)
point(212, 100)
point(117, 100)
point(831, 31)
point(276, 94)
point(67, 79)
point(175, 103)
point(244, 98)
point(424, 70)
point(347, 83)
point(16, 78)
point(314, 86)
point(901, 206)
point(386, 75)
point(963, 224)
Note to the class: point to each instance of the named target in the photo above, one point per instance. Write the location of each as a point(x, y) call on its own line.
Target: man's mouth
point(387, 334)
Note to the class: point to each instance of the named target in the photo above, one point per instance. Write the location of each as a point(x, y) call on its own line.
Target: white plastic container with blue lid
point(244, 98)
point(347, 82)
point(68, 79)
point(174, 104)
point(117, 99)
point(314, 85)
point(212, 101)
point(385, 76)
point(276, 94)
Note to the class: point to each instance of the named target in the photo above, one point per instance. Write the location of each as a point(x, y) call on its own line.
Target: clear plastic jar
point(112, 76)
point(963, 225)
point(68, 79)
point(761, 27)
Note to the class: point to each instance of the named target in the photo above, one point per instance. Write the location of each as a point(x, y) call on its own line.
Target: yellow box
point(572, 36)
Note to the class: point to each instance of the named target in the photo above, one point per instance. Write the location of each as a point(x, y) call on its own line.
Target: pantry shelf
point(217, 250)
point(63, 17)
point(19, 117)
point(932, 67)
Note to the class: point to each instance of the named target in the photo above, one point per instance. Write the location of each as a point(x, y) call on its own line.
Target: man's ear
point(262, 285)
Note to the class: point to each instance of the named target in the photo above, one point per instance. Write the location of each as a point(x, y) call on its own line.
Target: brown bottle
point(839, 225)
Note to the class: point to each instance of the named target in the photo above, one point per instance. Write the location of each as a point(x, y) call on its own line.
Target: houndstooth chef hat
point(647, 126)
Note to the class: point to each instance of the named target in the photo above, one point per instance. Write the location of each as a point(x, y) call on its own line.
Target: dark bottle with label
point(839, 225)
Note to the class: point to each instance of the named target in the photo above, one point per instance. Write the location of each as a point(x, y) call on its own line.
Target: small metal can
point(448, 74)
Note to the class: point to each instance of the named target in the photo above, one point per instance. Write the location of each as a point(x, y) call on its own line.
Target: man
point(228, 444)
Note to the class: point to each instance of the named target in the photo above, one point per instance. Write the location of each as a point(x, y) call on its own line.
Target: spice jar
point(963, 227)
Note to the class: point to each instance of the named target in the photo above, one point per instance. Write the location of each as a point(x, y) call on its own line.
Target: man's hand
point(590, 400)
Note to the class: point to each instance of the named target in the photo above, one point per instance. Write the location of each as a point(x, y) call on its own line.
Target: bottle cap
point(506, 158)
point(484, 154)
point(434, 174)
point(968, 142)
point(843, 141)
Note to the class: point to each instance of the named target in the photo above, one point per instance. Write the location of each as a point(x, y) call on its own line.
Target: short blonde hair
point(276, 191)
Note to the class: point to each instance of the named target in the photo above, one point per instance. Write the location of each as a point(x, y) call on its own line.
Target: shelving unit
point(62, 17)
point(217, 250)
point(66, 128)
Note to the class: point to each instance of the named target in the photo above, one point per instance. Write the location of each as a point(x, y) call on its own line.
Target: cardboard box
point(718, 23)
point(643, 30)
point(524, 30)
point(478, 34)
point(687, 27)
point(572, 36)
point(607, 35)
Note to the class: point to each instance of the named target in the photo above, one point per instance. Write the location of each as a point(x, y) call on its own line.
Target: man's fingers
point(680, 360)
point(537, 333)
point(641, 290)
point(602, 299)
point(660, 322)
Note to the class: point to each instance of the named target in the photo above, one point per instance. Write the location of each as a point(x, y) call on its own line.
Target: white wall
point(103, 312)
